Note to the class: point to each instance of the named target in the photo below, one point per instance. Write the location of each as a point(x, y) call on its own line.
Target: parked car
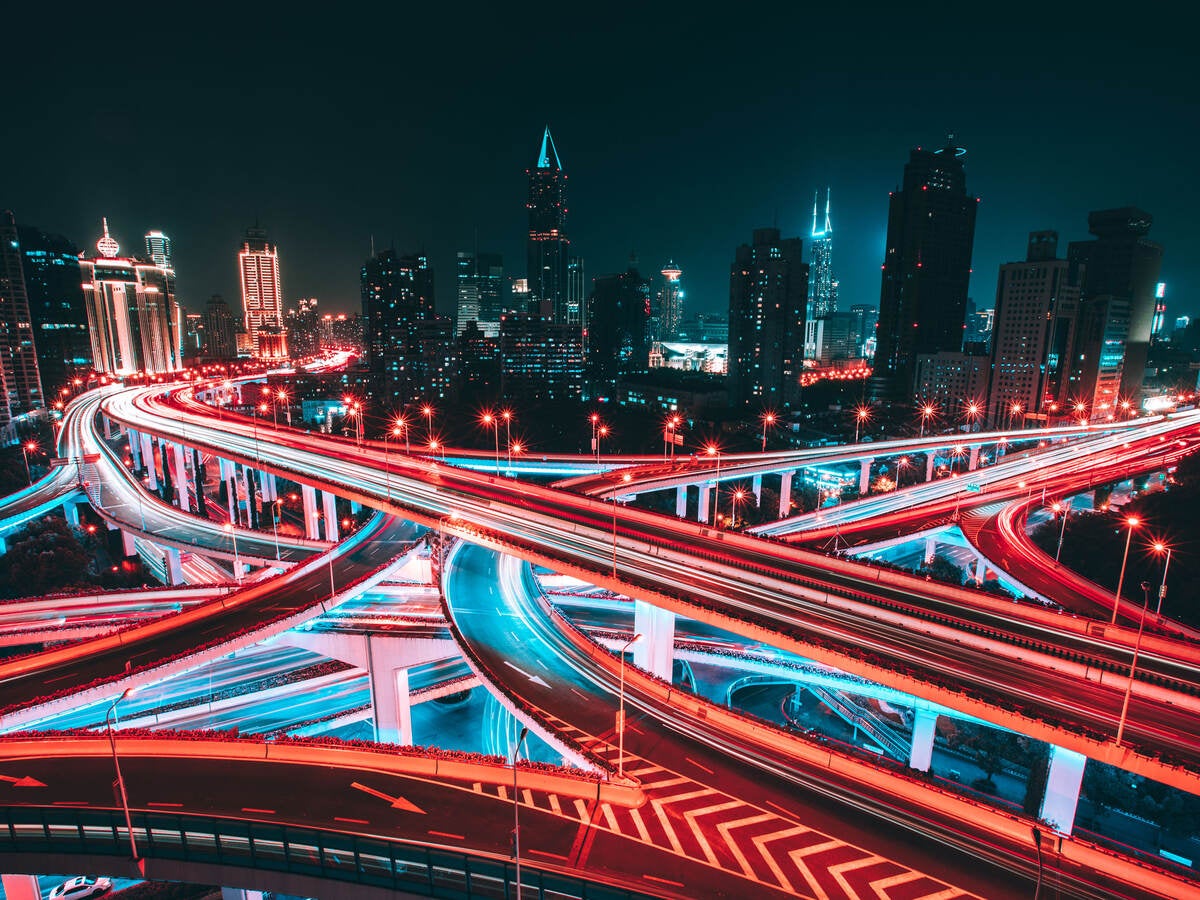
point(83, 886)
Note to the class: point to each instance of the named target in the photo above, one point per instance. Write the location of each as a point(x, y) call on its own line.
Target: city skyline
point(672, 162)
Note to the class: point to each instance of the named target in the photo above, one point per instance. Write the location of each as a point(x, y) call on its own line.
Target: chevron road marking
point(724, 829)
point(643, 834)
point(666, 825)
point(838, 871)
point(692, 815)
point(797, 857)
point(882, 887)
point(761, 842)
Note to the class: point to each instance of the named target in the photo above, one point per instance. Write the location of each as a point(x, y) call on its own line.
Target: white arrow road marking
point(534, 678)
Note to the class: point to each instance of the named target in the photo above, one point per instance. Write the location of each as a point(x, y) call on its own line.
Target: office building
point(768, 295)
point(952, 379)
point(1158, 327)
point(576, 294)
point(158, 249)
point(865, 319)
point(304, 328)
point(835, 337)
point(50, 264)
point(22, 382)
point(397, 298)
point(618, 336)
point(926, 268)
point(480, 283)
point(1123, 264)
point(220, 329)
point(343, 332)
point(1037, 306)
point(822, 285)
point(667, 312)
point(540, 359)
point(133, 320)
point(548, 248)
point(262, 294)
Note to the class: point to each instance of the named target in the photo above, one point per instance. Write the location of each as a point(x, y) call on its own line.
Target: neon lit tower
point(822, 286)
point(549, 247)
point(670, 302)
point(262, 295)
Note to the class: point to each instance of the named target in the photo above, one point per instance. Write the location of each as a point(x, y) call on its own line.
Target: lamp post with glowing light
point(26, 448)
point(1137, 646)
point(1065, 509)
point(507, 416)
point(237, 560)
point(517, 812)
point(112, 743)
point(427, 411)
point(490, 421)
point(282, 397)
point(1014, 410)
point(1132, 522)
point(928, 411)
point(669, 429)
point(861, 415)
point(1161, 547)
point(621, 709)
point(601, 433)
point(626, 478)
point(734, 499)
point(768, 420)
point(972, 412)
point(714, 450)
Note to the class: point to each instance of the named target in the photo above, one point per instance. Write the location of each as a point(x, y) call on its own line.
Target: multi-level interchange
point(662, 793)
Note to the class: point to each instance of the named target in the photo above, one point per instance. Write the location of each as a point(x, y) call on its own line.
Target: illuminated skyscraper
point(926, 268)
point(548, 249)
point(668, 306)
point(219, 334)
point(822, 286)
point(402, 325)
point(133, 319)
point(18, 354)
point(480, 283)
point(262, 295)
point(51, 266)
point(158, 249)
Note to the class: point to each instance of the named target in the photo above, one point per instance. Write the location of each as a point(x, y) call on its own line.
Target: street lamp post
point(927, 412)
point(517, 811)
point(275, 507)
point(768, 420)
point(1137, 646)
point(601, 433)
point(672, 423)
point(237, 560)
point(427, 411)
point(1065, 508)
point(25, 448)
point(493, 423)
point(506, 415)
point(621, 709)
point(861, 414)
point(287, 407)
point(714, 450)
point(734, 499)
point(1161, 547)
point(1132, 522)
point(112, 743)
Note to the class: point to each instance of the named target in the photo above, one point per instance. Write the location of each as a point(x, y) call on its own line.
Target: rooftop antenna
point(372, 246)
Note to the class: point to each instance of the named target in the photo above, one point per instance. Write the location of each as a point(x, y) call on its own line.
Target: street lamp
point(237, 560)
point(427, 411)
point(601, 433)
point(768, 420)
point(861, 415)
point(972, 411)
point(1161, 547)
point(517, 810)
point(26, 449)
point(275, 508)
point(1132, 522)
point(1137, 646)
point(594, 418)
point(282, 396)
point(734, 499)
point(493, 423)
point(1065, 509)
point(714, 450)
point(112, 743)
point(621, 710)
point(672, 423)
point(506, 415)
point(1014, 410)
point(928, 411)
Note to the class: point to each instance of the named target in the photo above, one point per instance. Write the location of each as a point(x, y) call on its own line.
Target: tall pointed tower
point(549, 247)
point(822, 286)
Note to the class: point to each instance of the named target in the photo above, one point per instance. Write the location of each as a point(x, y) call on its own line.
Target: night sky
point(680, 132)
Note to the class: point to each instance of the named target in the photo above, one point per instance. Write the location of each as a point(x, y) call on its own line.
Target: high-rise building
point(133, 320)
point(397, 297)
point(18, 353)
point(1037, 305)
point(262, 294)
point(1158, 328)
point(866, 317)
point(50, 264)
point(540, 359)
point(1121, 263)
point(304, 328)
point(667, 310)
point(822, 286)
point(618, 338)
point(548, 248)
point(576, 294)
point(768, 294)
point(480, 283)
point(220, 331)
point(951, 380)
point(926, 268)
point(158, 249)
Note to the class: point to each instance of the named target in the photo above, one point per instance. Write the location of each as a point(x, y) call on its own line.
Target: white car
point(83, 886)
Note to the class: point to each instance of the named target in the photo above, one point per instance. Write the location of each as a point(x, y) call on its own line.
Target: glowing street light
point(594, 418)
point(861, 415)
point(1132, 522)
point(1065, 509)
point(109, 718)
point(490, 421)
point(427, 411)
point(714, 450)
point(507, 416)
point(1161, 547)
point(626, 478)
point(768, 421)
point(601, 433)
point(1014, 410)
point(517, 812)
point(26, 448)
point(734, 500)
point(282, 397)
point(669, 429)
point(972, 412)
point(621, 709)
point(928, 411)
point(1133, 663)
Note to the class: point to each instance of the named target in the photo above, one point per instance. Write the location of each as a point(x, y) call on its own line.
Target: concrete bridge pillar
point(923, 730)
point(312, 526)
point(681, 493)
point(108, 432)
point(973, 459)
point(128, 547)
point(174, 565)
point(785, 494)
point(148, 456)
point(355, 507)
point(930, 459)
point(930, 549)
point(329, 505)
point(3, 545)
point(756, 487)
point(228, 471)
point(135, 449)
point(228, 893)
point(655, 652)
point(702, 511)
point(270, 487)
point(1062, 788)
point(71, 513)
point(980, 570)
point(21, 887)
point(864, 476)
point(181, 478)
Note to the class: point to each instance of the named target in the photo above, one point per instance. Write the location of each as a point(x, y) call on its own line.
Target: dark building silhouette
point(548, 249)
point(618, 311)
point(21, 380)
point(220, 329)
point(540, 359)
point(304, 328)
point(50, 264)
point(397, 301)
point(1123, 265)
point(480, 282)
point(768, 295)
point(926, 268)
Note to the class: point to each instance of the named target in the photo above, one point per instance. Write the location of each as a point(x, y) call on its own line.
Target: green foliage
point(49, 556)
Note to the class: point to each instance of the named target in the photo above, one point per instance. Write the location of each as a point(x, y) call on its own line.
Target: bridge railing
point(369, 861)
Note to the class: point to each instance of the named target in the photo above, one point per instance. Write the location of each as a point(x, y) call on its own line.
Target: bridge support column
point(228, 473)
point(923, 730)
point(71, 512)
point(785, 494)
point(228, 893)
point(148, 456)
point(702, 511)
point(930, 550)
point(355, 507)
point(864, 476)
point(329, 504)
point(21, 887)
point(930, 458)
point(312, 527)
point(3, 545)
point(973, 459)
point(135, 449)
point(269, 486)
point(980, 570)
point(108, 432)
point(756, 487)
point(128, 547)
point(1062, 788)
point(181, 478)
point(390, 703)
point(174, 565)
point(681, 493)
point(655, 652)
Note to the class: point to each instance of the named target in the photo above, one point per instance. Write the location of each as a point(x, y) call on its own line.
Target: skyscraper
point(220, 336)
point(133, 319)
point(1122, 264)
point(50, 264)
point(926, 268)
point(158, 249)
point(480, 284)
point(822, 286)
point(768, 293)
point(18, 354)
point(618, 338)
point(397, 299)
point(668, 304)
point(1037, 304)
point(548, 248)
point(262, 294)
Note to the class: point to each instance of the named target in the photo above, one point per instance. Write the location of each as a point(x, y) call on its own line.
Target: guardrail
point(370, 861)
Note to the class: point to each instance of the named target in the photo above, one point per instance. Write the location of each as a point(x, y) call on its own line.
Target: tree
point(46, 556)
